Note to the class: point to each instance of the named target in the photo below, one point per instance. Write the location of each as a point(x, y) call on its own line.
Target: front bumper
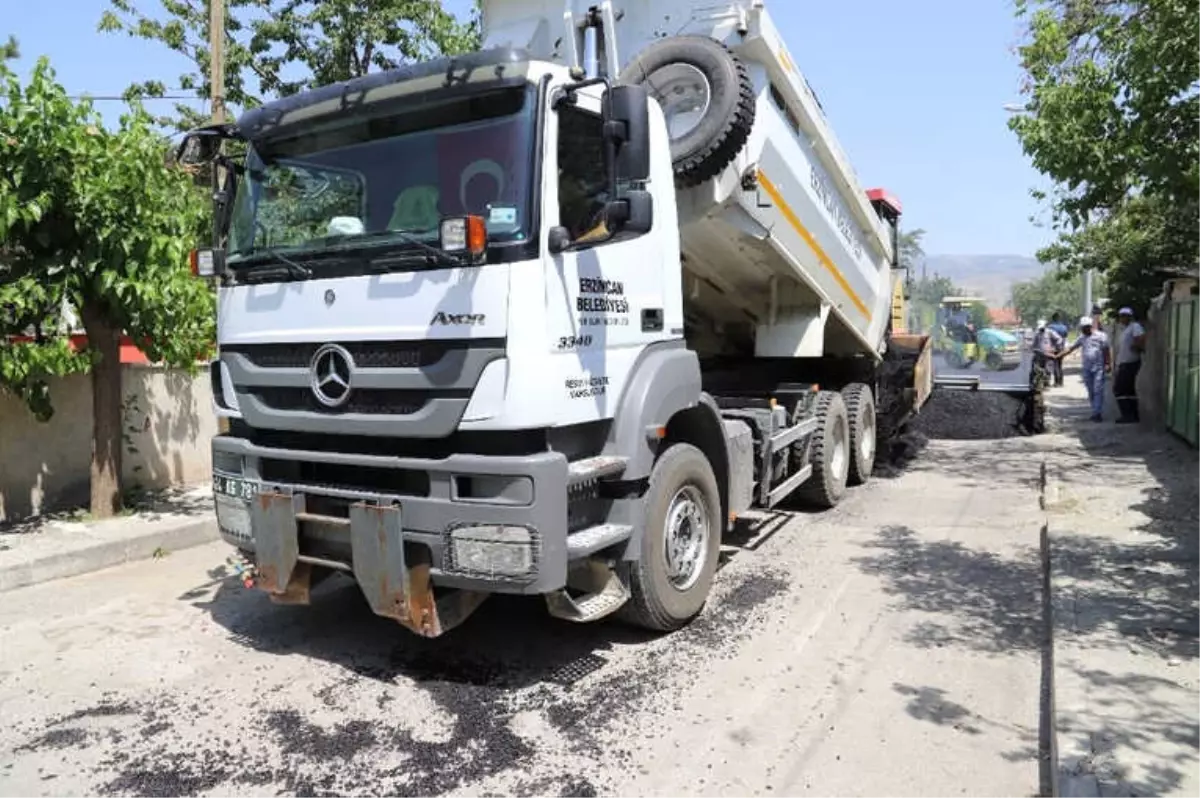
point(401, 525)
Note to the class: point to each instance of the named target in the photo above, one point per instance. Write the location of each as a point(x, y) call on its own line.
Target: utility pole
point(216, 88)
point(216, 50)
point(1087, 292)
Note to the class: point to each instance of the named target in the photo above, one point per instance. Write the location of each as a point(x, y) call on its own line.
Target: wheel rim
point(685, 542)
point(684, 94)
point(866, 441)
point(837, 459)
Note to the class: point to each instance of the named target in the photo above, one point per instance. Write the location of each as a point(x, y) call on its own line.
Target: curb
point(1068, 773)
point(183, 534)
point(1048, 772)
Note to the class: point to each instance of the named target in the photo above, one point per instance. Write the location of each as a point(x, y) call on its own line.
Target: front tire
point(681, 540)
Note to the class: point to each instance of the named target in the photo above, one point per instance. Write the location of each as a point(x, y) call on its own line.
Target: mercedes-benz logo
point(330, 375)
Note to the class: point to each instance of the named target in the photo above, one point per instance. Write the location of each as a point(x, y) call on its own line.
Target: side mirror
point(559, 239)
point(197, 148)
point(203, 144)
point(633, 213)
point(627, 127)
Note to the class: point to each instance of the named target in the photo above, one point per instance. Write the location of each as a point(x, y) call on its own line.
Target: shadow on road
point(1134, 579)
point(974, 598)
point(509, 642)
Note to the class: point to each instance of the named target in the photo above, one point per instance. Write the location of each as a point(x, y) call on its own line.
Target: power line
point(136, 96)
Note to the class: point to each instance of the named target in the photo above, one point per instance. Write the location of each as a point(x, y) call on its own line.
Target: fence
point(1183, 369)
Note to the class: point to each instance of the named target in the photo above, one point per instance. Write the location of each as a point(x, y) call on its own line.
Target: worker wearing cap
point(1097, 363)
point(1046, 346)
point(1046, 343)
point(1131, 342)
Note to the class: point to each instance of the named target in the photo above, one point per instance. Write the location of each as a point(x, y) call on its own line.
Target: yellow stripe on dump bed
point(802, 231)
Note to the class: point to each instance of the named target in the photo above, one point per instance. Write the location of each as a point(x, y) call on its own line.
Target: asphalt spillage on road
point(477, 686)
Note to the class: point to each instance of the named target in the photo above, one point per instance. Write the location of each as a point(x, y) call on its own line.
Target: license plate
point(235, 487)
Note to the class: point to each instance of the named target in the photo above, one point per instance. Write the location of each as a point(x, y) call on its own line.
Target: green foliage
point(1134, 248)
point(9, 50)
point(95, 219)
point(911, 251)
point(926, 297)
point(1059, 290)
point(275, 48)
point(1113, 118)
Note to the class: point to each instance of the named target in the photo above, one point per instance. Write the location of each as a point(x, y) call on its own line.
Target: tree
point(911, 252)
point(1058, 290)
point(9, 50)
point(274, 48)
point(1113, 118)
point(96, 219)
point(1135, 248)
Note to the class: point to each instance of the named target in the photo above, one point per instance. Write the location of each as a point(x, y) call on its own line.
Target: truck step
point(595, 538)
point(593, 468)
point(589, 607)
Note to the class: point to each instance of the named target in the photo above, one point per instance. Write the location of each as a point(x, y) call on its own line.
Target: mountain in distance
point(988, 276)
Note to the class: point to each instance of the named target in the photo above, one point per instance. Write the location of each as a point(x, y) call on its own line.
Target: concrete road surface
point(889, 647)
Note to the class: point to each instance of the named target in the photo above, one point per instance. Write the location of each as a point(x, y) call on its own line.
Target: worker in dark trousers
point(1131, 342)
point(1060, 329)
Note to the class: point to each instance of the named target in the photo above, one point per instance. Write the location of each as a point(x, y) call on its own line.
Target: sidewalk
point(59, 545)
point(1121, 504)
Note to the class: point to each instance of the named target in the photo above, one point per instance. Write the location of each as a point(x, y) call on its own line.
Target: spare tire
point(706, 94)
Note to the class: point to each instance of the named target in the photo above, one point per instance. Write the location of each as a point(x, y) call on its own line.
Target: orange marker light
point(476, 235)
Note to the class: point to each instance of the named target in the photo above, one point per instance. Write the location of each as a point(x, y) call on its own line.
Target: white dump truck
point(545, 319)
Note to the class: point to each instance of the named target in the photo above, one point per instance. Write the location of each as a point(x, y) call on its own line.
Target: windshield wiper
point(282, 262)
point(433, 253)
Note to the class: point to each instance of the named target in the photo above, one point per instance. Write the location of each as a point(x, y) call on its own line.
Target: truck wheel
point(860, 409)
point(828, 453)
point(669, 582)
point(707, 98)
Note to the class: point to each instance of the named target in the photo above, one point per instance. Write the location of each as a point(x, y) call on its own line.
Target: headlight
point(493, 550)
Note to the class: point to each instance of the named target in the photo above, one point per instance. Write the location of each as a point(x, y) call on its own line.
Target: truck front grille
point(391, 402)
point(366, 354)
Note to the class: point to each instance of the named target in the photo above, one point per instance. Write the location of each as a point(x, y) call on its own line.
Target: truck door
point(604, 295)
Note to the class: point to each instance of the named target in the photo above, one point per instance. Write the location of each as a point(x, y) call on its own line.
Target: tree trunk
point(105, 341)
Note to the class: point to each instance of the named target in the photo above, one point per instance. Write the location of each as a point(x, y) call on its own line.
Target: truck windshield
point(380, 182)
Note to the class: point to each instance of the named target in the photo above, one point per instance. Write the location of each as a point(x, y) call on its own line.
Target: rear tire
point(860, 409)
point(681, 540)
point(683, 72)
point(828, 453)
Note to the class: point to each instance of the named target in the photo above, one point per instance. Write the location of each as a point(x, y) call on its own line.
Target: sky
point(915, 92)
